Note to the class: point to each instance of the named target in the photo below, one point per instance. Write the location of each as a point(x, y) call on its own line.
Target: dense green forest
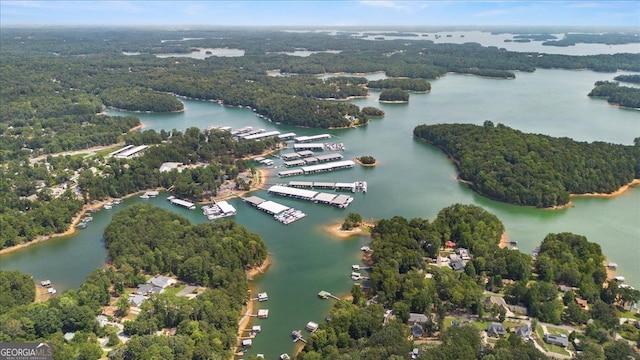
point(393, 95)
point(30, 209)
point(628, 78)
point(16, 289)
point(404, 84)
point(620, 95)
point(140, 99)
point(44, 83)
point(571, 39)
point(531, 169)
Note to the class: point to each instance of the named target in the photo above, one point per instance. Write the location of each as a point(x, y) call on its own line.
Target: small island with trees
point(394, 95)
point(371, 111)
point(366, 160)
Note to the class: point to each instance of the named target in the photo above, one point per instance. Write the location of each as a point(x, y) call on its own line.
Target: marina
point(281, 213)
point(319, 146)
point(307, 139)
point(341, 201)
point(184, 203)
point(348, 186)
point(260, 136)
point(312, 169)
point(218, 210)
point(312, 159)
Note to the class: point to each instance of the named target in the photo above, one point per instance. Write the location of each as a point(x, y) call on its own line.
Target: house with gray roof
point(137, 300)
point(417, 331)
point(161, 281)
point(496, 330)
point(524, 332)
point(417, 318)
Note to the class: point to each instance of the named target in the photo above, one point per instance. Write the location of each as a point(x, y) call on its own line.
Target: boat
point(87, 218)
point(117, 201)
point(619, 278)
point(81, 225)
point(285, 356)
point(144, 196)
point(108, 206)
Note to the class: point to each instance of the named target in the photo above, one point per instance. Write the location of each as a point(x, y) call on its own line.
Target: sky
point(321, 13)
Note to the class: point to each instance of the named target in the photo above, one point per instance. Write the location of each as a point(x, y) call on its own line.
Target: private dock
point(326, 295)
point(341, 201)
point(218, 210)
point(184, 203)
point(297, 336)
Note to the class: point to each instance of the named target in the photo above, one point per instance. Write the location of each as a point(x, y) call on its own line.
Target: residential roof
point(161, 281)
point(524, 331)
point(417, 318)
point(556, 339)
point(457, 265)
point(496, 329)
point(416, 330)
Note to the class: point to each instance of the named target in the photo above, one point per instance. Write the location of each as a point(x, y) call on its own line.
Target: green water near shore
point(413, 179)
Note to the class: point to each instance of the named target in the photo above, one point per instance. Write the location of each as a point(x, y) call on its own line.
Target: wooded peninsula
point(532, 169)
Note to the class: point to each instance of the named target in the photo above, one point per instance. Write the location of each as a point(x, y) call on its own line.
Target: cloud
point(397, 5)
point(491, 13)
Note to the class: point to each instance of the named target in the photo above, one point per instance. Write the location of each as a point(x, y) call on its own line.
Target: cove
point(413, 179)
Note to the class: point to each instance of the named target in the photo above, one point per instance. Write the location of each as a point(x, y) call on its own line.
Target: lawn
point(173, 290)
point(553, 348)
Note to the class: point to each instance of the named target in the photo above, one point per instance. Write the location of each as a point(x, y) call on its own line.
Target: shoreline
point(620, 191)
point(247, 310)
point(335, 230)
point(261, 177)
point(504, 241)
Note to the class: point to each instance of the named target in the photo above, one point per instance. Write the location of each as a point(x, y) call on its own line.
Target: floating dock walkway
point(348, 186)
point(326, 295)
point(281, 213)
point(312, 169)
point(341, 201)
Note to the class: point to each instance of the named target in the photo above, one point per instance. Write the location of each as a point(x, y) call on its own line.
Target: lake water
point(413, 179)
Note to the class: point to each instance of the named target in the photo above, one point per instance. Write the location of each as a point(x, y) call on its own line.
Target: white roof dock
point(225, 207)
point(341, 201)
point(261, 135)
point(303, 139)
point(254, 200)
point(328, 166)
point(309, 146)
point(305, 153)
point(301, 183)
point(272, 207)
point(285, 136)
point(293, 172)
point(183, 203)
point(292, 192)
point(290, 156)
point(329, 157)
point(295, 163)
point(242, 130)
point(129, 153)
point(324, 197)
